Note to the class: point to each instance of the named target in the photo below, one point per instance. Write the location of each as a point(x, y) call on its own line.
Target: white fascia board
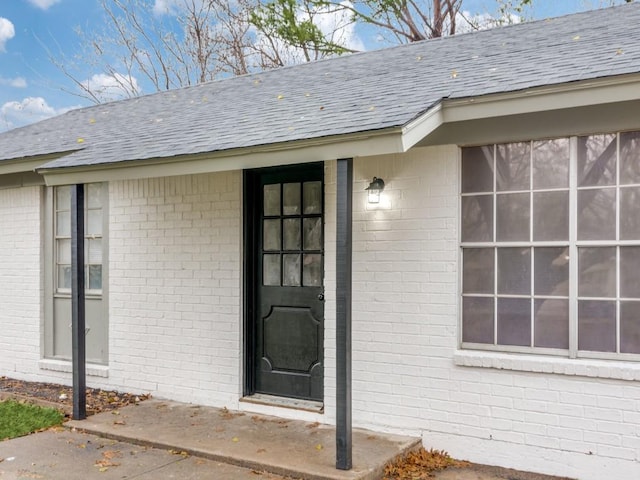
point(8, 167)
point(352, 146)
point(422, 126)
point(576, 94)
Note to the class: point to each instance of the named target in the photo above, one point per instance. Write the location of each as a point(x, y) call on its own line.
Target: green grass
point(17, 419)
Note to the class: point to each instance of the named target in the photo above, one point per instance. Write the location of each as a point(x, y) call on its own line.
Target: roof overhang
point(527, 114)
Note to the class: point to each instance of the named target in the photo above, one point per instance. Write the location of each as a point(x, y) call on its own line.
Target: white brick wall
point(408, 375)
point(174, 276)
point(20, 285)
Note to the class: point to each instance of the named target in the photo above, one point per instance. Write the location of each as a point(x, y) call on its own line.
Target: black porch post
point(77, 303)
point(343, 313)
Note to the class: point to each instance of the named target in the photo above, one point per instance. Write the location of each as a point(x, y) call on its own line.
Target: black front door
point(285, 309)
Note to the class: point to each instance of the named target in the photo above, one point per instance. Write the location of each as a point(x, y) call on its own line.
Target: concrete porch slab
point(283, 447)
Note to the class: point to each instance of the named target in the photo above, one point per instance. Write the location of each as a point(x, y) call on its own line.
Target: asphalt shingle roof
point(356, 93)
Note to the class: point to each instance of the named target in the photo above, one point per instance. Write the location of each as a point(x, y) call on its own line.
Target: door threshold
point(285, 402)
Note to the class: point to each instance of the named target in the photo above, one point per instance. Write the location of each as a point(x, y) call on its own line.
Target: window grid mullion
point(573, 248)
point(617, 204)
point(531, 251)
point(495, 249)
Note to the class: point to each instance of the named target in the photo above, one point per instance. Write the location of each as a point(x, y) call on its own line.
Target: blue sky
point(32, 88)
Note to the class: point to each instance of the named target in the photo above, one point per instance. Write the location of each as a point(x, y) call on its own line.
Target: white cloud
point(107, 88)
point(29, 110)
point(7, 32)
point(166, 7)
point(17, 82)
point(43, 4)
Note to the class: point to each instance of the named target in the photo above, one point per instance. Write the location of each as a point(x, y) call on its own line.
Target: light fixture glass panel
point(312, 197)
point(512, 222)
point(550, 216)
point(312, 270)
point(551, 323)
point(291, 199)
point(597, 214)
point(477, 319)
point(478, 270)
point(291, 265)
point(271, 235)
point(551, 271)
point(272, 199)
point(292, 233)
point(477, 218)
point(514, 271)
point(477, 169)
point(597, 326)
point(513, 166)
point(597, 160)
point(312, 233)
point(514, 321)
point(551, 163)
point(597, 272)
point(271, 269)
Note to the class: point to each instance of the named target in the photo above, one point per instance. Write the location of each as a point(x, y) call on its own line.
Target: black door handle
point(321, 297)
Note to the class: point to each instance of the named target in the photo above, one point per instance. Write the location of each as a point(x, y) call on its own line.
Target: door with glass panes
point(286, 310)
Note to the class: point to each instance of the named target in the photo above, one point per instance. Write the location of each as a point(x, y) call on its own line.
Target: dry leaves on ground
point(419, 465)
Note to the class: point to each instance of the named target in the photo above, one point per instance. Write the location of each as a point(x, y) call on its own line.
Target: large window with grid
point(550, 246)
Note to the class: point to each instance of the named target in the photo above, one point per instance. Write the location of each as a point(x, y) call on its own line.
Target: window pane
point(596, 160)
point(93, 194)
point(514, 271)
point(630, 272)
point(312, 197)
point(629, 327)
point(271, 269)
point(93, 251)
point(292, 233)
point(550, 216)
point(629, 157)
point(272, 199)
point(477, 169)
point(312, 233)
point(94, 280)
point(551, 323)
point(94, 222)
point(64, 251)
point(551, 271)
point(477, 320)
point(478, 270)
point(597, 272)
point(514, 321)
point(312, 270)
point(291, 199)
point(64, 276)
point(63, 224)
point(271, 234)
point(597, 214)
point(551, 163)
point(63, 198)
point(630, 213)
point(597, 326)
point(291, 266)
point(513, 166)
point(477, 218)
point(512, 222)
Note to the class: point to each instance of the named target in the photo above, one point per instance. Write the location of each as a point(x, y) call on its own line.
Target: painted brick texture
point(20, 281)
point(174, 279)
point(509, 410)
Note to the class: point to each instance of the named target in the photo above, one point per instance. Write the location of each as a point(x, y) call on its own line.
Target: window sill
point(93, 370)
point(610, 369)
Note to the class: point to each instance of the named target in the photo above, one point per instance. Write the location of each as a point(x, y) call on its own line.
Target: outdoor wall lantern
point(374, 189)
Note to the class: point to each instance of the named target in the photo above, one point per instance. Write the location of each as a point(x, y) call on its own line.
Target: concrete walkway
point(262, 443)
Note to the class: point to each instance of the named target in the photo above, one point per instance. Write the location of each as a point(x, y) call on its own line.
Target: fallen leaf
point(619, 51)
point(80, 140)
point(119, 422)
point(454, 74)
point(577, 37)
point(235, 439)
point(261, 450)
point(319, 446)
point(280, 97)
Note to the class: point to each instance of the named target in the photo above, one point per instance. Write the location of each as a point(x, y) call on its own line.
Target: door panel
point(286, 323)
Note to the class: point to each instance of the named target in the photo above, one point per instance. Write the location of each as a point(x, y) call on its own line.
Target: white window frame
point(573, 245)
